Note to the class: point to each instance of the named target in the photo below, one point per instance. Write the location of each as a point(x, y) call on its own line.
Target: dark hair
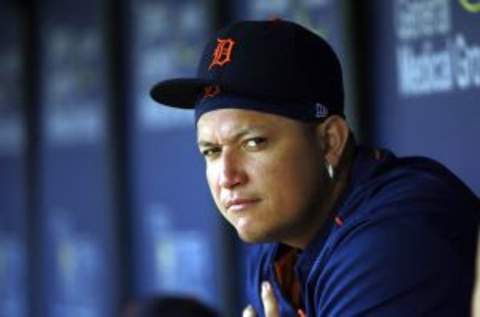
point(171, 306)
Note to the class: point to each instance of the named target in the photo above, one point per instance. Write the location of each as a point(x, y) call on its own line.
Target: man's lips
point(240, 203)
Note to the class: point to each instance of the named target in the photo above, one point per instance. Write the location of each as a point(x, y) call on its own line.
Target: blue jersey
point(401, 243)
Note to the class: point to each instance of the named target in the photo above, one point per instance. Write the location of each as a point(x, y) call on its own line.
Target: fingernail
point(301, 313)
point(266, 287)
point(248, 311)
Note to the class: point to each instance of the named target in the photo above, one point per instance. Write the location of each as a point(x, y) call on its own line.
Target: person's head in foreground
point(169, 306)
point(342, 230)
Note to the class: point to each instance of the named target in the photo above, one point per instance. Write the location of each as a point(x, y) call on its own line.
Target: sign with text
point(426, 67)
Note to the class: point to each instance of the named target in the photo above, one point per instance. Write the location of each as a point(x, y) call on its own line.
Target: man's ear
point(333, 133)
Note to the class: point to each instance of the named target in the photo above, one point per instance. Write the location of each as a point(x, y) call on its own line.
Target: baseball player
point(334, 228)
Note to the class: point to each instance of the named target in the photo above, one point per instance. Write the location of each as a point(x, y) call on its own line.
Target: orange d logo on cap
point(223, 52)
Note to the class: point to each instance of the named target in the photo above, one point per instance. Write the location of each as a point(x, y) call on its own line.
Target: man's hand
point(270, 305)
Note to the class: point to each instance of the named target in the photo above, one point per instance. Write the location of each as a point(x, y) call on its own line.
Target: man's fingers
point(249, 312)
point(270, 305)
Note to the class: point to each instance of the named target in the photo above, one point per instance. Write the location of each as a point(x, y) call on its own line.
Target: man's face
point(265, 172)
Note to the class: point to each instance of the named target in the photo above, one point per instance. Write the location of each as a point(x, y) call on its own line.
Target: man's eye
point(209, 152)
point(254, 143)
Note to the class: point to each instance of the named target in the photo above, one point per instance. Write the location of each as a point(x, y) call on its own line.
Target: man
point(337, 229)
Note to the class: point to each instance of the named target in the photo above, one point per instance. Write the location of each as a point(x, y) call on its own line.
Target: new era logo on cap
point(320, 110)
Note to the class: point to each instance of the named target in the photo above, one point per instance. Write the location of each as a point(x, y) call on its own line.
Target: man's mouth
point(240, 204)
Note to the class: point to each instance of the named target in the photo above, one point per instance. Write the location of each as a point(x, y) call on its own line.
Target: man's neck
point(336, 189)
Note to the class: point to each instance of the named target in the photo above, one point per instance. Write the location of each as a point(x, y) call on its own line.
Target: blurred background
point(102, 192)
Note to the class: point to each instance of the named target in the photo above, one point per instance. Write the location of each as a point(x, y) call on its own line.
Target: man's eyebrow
point(237, 135)
point(205, 143)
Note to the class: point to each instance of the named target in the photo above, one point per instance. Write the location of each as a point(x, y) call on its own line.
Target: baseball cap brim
point(180, 92)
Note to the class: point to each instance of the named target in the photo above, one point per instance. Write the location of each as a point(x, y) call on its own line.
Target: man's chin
point(251, 237)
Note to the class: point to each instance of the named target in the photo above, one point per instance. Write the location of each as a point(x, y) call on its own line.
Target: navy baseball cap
point(272, 66)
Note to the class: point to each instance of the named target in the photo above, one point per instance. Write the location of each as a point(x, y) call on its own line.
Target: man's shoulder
point(405, 183)
point(406, 203)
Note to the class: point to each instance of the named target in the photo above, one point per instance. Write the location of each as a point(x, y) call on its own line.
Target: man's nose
point(231, 172)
